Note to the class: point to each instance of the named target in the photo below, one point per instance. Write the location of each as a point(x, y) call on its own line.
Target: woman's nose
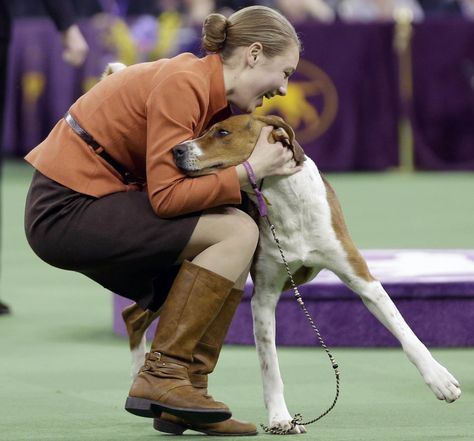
point(282, 90)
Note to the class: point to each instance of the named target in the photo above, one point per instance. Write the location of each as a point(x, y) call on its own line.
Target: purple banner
point(357, 79)
point(443, 102)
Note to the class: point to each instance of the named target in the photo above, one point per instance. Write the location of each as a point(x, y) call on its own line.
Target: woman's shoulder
point(188, 62)
point(183, 67)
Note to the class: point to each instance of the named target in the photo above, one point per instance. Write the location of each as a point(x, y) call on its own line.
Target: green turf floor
point(64, 375)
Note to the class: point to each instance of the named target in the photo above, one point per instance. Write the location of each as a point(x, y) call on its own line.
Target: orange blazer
point(138, 115)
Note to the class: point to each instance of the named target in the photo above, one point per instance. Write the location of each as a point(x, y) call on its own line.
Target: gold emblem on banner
point(310, 105)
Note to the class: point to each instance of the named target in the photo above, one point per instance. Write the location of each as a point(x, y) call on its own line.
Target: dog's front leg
point(263, 313)
point(437, 377)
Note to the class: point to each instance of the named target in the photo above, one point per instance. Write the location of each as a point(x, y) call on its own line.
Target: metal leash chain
point(298, 419)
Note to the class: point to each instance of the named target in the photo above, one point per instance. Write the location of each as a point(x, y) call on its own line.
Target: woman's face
point(262, 77)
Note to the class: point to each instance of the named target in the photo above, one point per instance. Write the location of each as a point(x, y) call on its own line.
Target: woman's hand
point(269, 159)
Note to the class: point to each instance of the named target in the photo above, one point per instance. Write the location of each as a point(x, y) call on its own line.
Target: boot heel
point(168, 427)
point(197, 416)
point(141, 407)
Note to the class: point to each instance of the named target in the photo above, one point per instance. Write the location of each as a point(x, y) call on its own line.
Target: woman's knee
point(223, 224)
point(242, 227)
point(232, 223)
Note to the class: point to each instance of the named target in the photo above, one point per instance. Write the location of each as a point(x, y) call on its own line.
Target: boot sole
point(152, 409)
point(177, 429)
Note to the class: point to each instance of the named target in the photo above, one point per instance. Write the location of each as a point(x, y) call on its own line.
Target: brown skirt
point(116, 240)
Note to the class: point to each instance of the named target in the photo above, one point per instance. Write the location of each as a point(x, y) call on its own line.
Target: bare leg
point(224, 242)
point(240, 283)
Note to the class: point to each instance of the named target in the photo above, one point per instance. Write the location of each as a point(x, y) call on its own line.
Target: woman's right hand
point(269, 159)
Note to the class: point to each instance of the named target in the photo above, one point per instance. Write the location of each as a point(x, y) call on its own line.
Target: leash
point(263, 211)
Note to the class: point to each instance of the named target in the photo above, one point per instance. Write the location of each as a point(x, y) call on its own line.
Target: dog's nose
point(179, 151)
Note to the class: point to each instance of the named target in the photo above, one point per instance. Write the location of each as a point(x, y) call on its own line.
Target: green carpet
point(64, 375)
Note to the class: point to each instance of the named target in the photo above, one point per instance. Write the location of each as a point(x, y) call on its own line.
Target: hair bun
point(214, 32)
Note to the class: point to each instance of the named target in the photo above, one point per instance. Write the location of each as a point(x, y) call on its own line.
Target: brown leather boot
point(206, 355)
point(163, 384)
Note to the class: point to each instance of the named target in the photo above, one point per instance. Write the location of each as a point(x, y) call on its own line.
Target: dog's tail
point(112, 68)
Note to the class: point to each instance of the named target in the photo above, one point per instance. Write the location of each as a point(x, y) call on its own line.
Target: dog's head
point(231, 142)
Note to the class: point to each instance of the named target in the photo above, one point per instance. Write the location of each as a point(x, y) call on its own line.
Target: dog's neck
point(285, 194)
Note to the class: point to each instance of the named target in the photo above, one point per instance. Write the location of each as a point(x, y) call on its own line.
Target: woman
point(108, 201)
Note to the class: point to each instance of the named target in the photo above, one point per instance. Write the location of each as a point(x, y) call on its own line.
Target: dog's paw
point(441, 382)
point(437, 377)
point(286, 427)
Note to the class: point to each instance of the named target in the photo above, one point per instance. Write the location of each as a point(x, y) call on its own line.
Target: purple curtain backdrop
point(443, 101)
point(360, 61)
point(344, 102)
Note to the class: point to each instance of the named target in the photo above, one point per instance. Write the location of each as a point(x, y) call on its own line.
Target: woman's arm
point(175, 110)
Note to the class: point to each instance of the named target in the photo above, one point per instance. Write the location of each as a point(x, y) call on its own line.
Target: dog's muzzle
point(184, 158)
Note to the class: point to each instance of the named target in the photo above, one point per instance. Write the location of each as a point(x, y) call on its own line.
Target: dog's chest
point(300, 214)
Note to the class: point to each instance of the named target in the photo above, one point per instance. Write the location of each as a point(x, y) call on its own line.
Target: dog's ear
point(111, 68)
point(284, 134)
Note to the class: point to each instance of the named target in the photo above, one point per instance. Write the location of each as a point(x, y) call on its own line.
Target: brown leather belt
point(128, 177)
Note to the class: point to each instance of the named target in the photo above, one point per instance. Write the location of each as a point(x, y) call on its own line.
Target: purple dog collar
point(262, 206)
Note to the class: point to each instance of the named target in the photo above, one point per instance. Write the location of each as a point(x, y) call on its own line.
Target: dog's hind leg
point(439, 380)
point(350, 266)
point(137, 322)
point(263, 304)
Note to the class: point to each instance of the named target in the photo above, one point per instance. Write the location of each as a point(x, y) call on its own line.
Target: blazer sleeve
point(175, 108)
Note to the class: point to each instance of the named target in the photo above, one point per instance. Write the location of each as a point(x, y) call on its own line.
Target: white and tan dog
point(312, 232)
point(313, 235)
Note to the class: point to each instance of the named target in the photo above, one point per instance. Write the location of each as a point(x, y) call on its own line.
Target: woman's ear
point(253, 53)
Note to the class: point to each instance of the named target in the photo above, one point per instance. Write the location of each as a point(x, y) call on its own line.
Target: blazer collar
point(217, 96)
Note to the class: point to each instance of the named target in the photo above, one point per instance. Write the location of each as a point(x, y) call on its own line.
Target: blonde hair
point(246, 26)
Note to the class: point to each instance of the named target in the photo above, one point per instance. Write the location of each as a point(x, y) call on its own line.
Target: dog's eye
point(222, 132)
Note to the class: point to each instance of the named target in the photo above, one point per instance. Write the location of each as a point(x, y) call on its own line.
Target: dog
point(312, 232)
